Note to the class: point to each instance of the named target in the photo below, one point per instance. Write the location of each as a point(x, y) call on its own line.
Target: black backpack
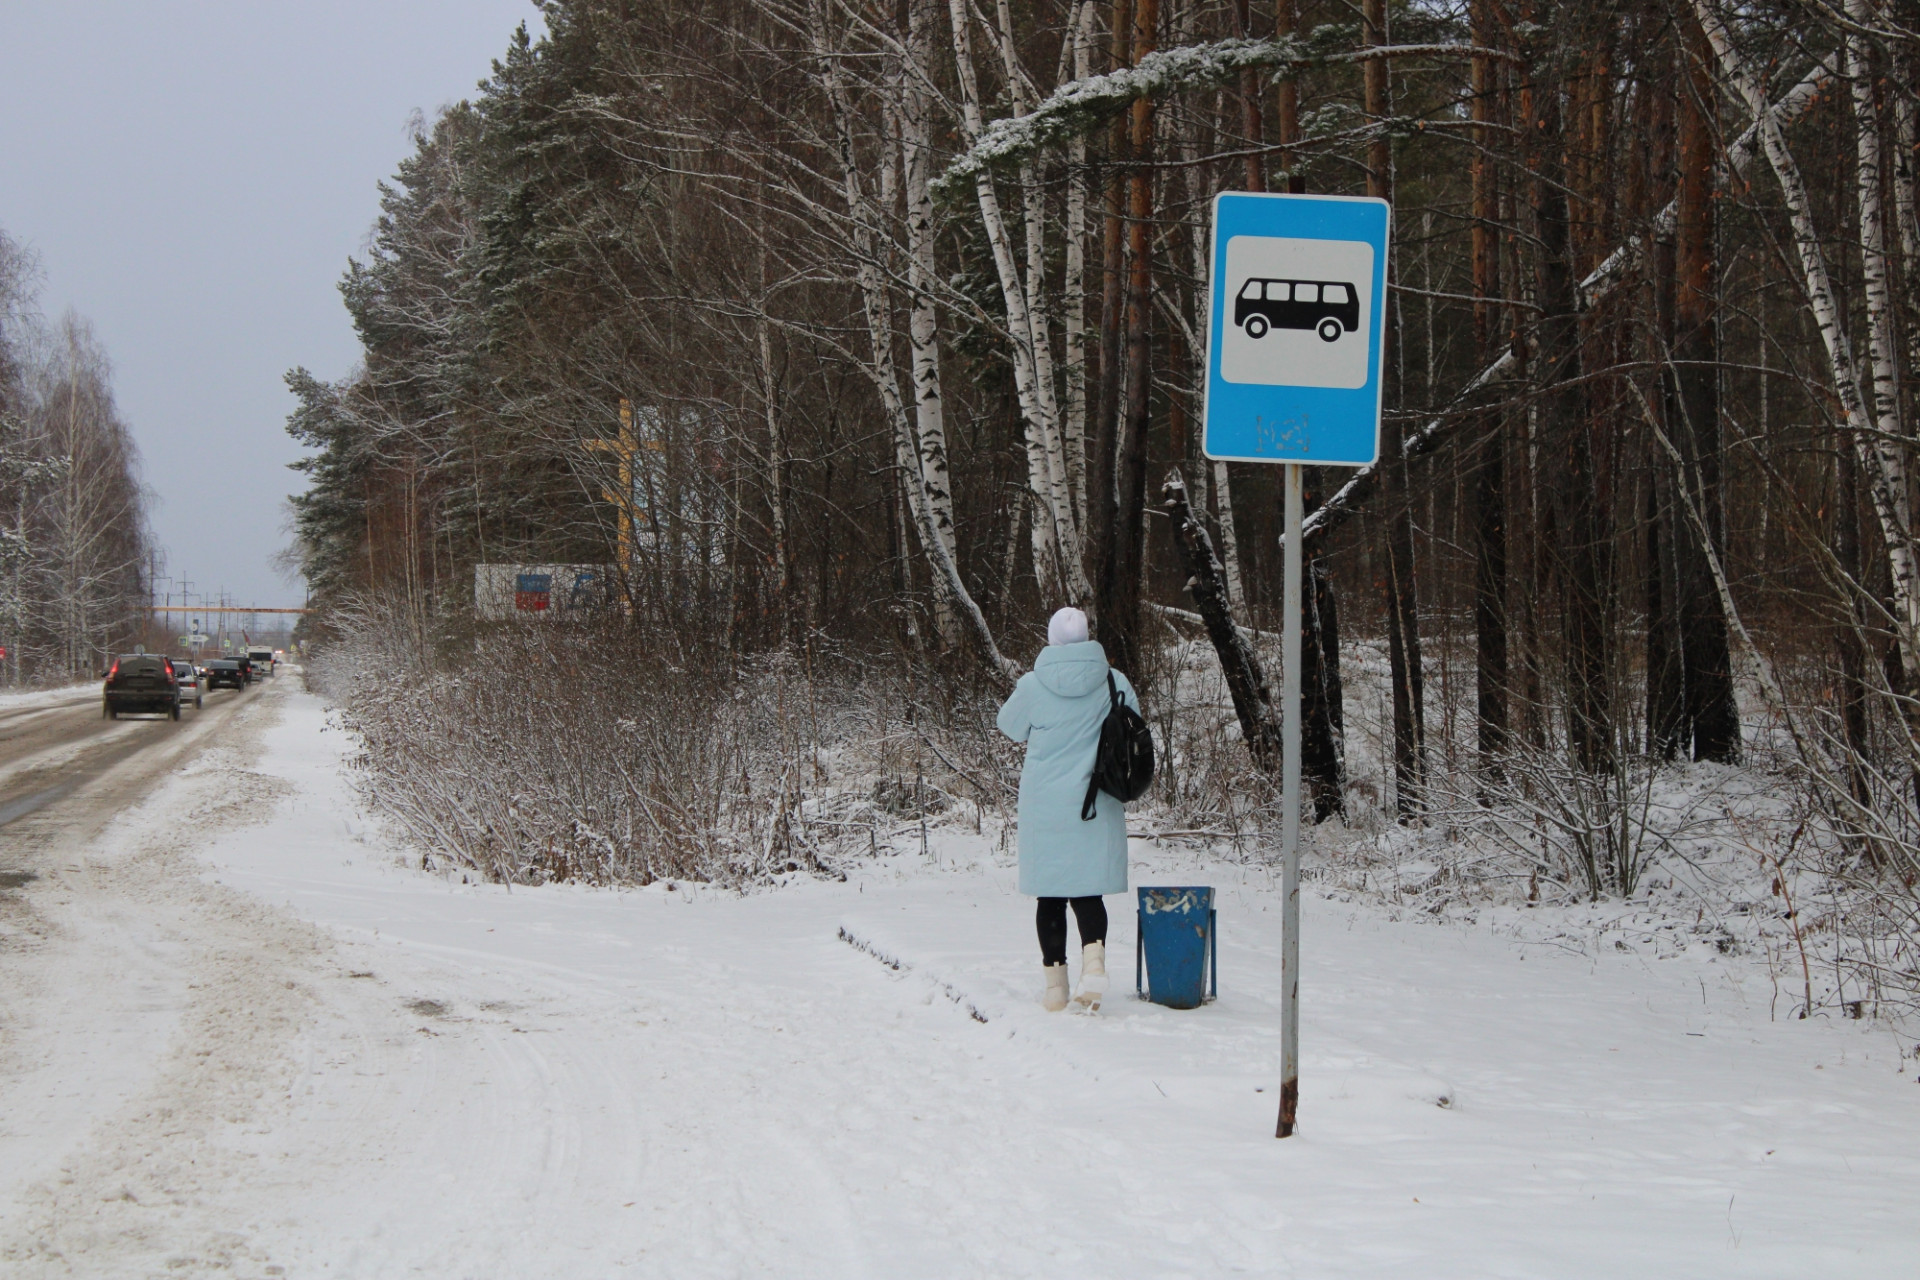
point(1123, 765)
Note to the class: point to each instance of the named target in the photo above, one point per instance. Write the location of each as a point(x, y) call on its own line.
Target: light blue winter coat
point(1057, 710)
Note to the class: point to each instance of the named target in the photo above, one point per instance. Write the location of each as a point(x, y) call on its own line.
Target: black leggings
point(1090, 913)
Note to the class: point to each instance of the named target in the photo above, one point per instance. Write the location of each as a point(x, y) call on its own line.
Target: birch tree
point(1029, 339)
point(878, 307)
point(1883, 457)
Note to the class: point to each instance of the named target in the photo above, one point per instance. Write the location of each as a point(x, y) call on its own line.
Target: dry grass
point(607, 755)
point(603, 754)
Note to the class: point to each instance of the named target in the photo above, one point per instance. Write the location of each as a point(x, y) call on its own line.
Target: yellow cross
point(624, 448)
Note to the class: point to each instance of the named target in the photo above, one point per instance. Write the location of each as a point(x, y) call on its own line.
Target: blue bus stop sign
point(1298, 303)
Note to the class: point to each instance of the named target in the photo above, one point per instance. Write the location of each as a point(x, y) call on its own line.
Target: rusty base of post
point(1289, 1108)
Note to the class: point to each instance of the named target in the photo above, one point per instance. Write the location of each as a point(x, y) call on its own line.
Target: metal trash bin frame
point(1210, 945)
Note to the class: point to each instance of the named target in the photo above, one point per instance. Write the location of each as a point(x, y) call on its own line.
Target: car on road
point(262, 660)
point(223, 673)
point(247, 672)
point(140, 682)
point(188, 677)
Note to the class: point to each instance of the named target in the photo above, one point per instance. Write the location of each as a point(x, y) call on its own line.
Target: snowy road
point(241, 1039)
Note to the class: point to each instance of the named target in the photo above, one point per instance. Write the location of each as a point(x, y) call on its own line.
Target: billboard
point(536, 591)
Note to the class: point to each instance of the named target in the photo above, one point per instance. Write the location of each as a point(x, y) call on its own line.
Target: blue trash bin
point(1178, 946)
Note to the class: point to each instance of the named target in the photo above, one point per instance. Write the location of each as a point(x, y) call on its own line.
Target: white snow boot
point(1054, 998)
point(1093, 977)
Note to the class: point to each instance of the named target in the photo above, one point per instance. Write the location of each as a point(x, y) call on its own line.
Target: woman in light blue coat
point(1057, 710)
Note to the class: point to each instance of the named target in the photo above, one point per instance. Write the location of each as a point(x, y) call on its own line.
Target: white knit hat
point(1068, 626)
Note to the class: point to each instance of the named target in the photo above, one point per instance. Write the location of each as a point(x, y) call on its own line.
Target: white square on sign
point(1297, 312)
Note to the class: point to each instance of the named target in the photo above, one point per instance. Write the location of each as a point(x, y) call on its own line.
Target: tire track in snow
point(147, 1047)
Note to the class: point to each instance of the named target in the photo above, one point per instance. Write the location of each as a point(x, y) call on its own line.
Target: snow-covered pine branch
point(1083, 104)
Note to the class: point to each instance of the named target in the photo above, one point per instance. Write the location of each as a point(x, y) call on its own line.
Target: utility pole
point(186, 602)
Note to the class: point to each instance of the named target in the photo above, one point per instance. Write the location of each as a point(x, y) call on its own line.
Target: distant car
point(140, 682)
point(263, 661)
point(223, 673)
point(188, 677)
point(246, 667)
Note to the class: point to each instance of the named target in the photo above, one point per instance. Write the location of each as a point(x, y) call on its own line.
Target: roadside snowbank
point(673, 1081)
point(52, 697)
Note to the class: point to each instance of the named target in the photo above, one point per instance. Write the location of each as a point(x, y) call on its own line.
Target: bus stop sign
point(1298, 293)
point(1298, 302)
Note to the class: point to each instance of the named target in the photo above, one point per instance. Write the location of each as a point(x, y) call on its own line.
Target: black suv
point(141, 682)
point(223, 672)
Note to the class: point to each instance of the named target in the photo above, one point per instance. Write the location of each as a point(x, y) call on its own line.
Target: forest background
point(846, 341)
point(76, 554)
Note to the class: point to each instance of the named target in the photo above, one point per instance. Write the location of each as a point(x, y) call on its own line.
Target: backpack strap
point(1087, 806)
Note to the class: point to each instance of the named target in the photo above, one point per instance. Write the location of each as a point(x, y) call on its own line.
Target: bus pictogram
point(1331, 308)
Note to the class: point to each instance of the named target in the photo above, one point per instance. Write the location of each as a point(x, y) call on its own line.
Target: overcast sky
point(193, 175)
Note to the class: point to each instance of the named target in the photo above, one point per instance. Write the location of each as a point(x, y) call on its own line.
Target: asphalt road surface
point(109, 938)
point(52, 751)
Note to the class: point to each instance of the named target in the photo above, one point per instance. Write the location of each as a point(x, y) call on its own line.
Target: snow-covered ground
point(33, 699)
point(361, 1070)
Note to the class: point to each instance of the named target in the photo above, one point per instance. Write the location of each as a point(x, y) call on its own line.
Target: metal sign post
point(1295, 336)
point(1290, 813)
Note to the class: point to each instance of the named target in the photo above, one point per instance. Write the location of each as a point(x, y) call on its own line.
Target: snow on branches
point(1081, 105)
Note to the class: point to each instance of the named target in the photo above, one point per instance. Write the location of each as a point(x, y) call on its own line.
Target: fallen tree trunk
point(1246, 683)
point(1347, 500)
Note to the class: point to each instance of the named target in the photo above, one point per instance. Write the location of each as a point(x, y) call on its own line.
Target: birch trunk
point(1229, 540)
point(1036, 403)
point(1061, 487)
point(877, 306)
point(1033, 207)
point(1906, 153)
point(923, 339)
point(1046, 531)
point(1882, 459)
point(1876, 269)
point(1906, 139)
point(1016, 509)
